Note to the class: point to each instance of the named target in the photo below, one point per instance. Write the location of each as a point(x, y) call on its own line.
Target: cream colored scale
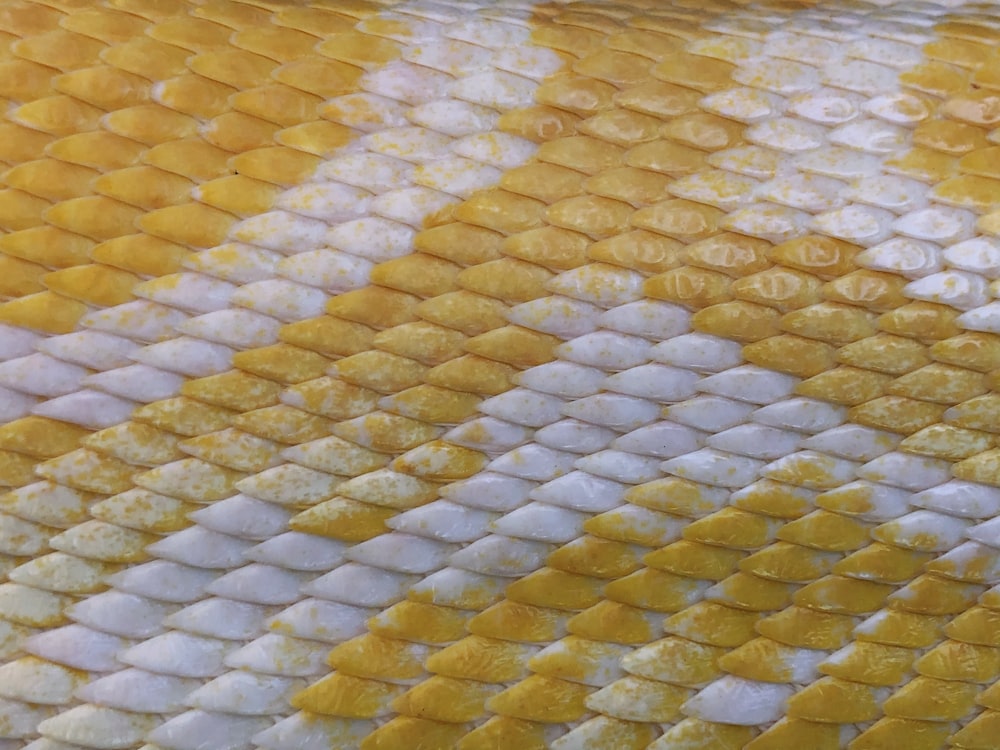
point(563, 376)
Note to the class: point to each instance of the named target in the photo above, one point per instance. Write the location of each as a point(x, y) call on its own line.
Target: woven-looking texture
point(429, 375)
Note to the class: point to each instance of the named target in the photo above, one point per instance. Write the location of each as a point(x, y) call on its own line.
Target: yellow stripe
point(146, 107)
point(748, 312)
point(601, 82)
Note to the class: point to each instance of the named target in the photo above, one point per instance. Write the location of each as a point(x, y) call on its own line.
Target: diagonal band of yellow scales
point(455, 375)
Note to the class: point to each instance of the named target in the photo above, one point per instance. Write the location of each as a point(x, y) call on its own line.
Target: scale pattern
point(391, 375)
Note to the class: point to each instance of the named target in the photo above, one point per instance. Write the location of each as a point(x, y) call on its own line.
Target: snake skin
point(499, 376)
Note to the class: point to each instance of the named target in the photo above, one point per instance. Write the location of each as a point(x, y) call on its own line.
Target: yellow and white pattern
point(449, 374)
